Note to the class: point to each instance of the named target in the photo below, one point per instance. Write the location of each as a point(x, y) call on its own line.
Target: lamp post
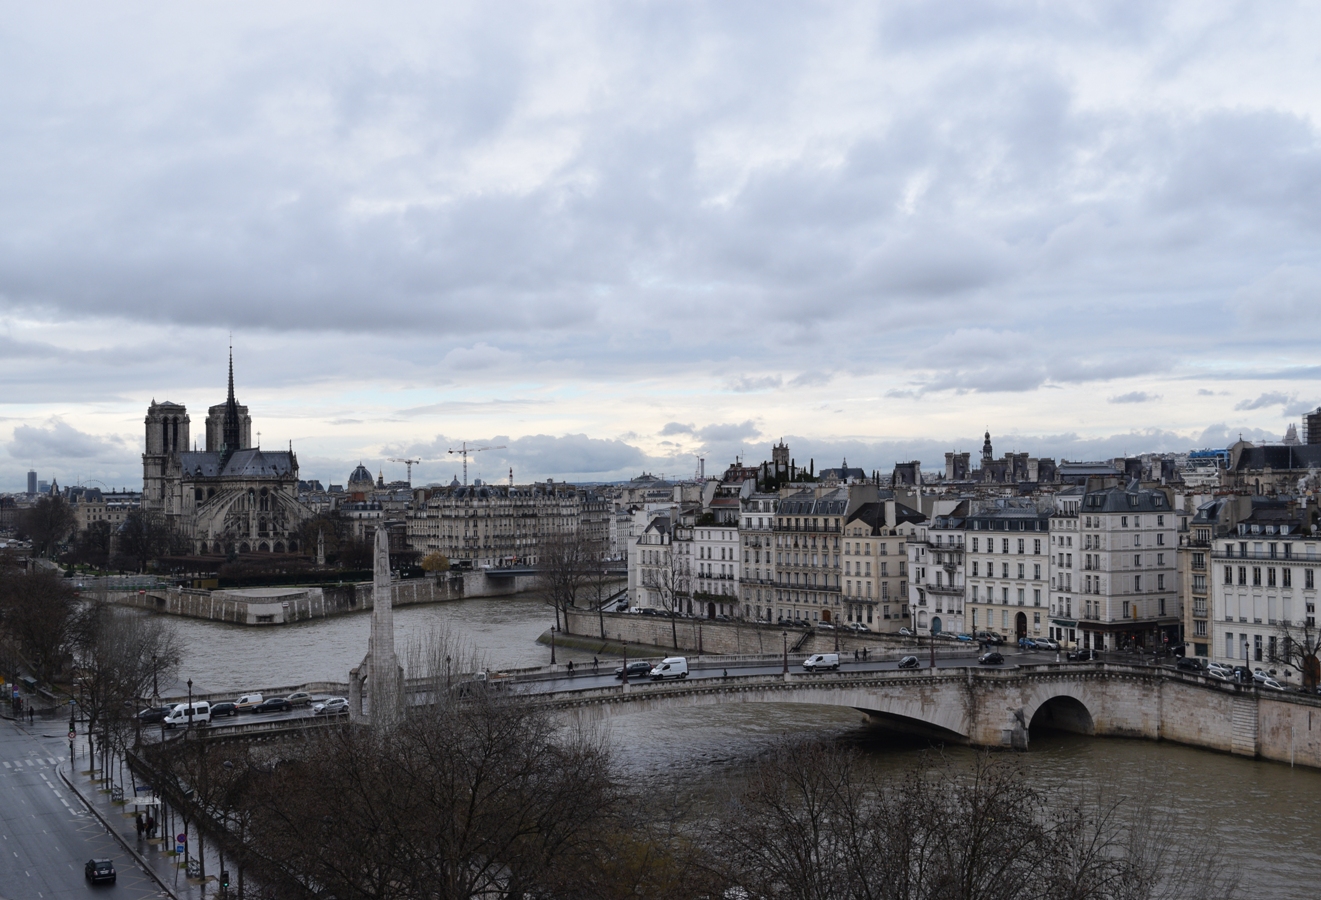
point(190, 705)
point(155, 686)
point(785, 635)
point(447, 671)
point(624, 673)
point(552, 646)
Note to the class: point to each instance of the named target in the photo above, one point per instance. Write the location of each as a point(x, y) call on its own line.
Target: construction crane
point(410, 463)
point(464, 451)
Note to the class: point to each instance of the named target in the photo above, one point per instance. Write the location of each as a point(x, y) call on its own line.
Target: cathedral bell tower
point(167, 437)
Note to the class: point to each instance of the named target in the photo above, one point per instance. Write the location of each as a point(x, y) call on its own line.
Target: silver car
point(333, 706)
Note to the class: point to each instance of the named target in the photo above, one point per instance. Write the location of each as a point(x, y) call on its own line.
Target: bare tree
point(1302, 648)
point(145, 535)
point(565, 559)
point(670, 580)
point(37, 612)
point(47, 523)
point(815, 822)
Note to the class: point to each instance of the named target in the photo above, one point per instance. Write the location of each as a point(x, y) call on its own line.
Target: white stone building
point(756, 537)
point(1008, 569)
point(1063, 567)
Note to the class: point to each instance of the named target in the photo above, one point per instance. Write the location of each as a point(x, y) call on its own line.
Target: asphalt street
point(46, 834)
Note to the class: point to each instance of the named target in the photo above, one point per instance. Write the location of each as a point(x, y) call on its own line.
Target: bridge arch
point(1059, 707)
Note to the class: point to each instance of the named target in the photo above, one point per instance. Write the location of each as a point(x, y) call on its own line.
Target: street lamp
point(785, 635)
point(190, 704)
point(552, 646)
point(447, 671)
point(624, 673)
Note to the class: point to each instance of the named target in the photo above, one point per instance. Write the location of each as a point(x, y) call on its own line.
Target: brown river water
point(1266, 816)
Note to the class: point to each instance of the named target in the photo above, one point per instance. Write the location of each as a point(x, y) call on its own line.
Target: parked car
point(858, 627)
point(945, 636)
point(1188, 664)
point(1270, 683)
point(906, 631)
point(248, 702)
point(910, 662)
point(224, 709)
point(821, 661)
point(825, 626)
point(331, 706)
point(1083, 654)
point(637, 669)
point(299, 698)
point(990, 638)
point(1026, 643)
point(670, 667)
point(274, 704)
point(153, 714)
point(1046, 644)
point(1221, 668)
point(963, 638)
point(99, 870)
point(991, 659)
point(1243, 675)
point(1219, 674)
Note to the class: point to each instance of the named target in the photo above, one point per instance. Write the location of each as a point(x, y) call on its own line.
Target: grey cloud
point(1300, 407)
point(1135, 397)
point(1222, 435)
point(672, 428)
point(728, 432)
point(58, 440)
point(1271, 398)
point(811, 379)
point(747, 385)
point(535, 457)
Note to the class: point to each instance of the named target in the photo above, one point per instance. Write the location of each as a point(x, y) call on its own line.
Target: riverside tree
point(37, 615)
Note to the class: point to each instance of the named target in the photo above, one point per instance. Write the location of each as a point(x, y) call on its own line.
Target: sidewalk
point(157, 856)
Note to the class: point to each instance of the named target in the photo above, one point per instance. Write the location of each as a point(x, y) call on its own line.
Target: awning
point(1064, 623)
point(142, 801)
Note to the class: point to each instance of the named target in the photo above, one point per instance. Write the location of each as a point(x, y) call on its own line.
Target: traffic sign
point(72, 734)
point(181, 838)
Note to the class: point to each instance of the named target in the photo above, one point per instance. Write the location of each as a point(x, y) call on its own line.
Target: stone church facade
point(231, 497)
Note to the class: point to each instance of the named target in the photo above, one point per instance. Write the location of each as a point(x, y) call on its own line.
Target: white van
point(821, 661)
point(670, 667)
point(179, 715)
point(248, 702)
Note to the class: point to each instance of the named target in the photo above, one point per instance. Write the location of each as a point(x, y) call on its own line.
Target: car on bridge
point(1188, 664)
point(670, 667)
point(906, 631)
point(910, 662)
point(274, 704)
point(225, 708)
point(331, 706)
point(153, 714)
point(636, 669)
point(821, 661)
point(1083, 654)
point(300, 698)
point(991, 659)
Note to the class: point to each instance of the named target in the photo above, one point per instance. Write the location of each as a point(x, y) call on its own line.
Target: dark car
point(273, 704)
point(1083, 655)
point(637, 669)
point(909, 662)
point(153, 714)
point(1243, 675)
point(99, 870)
point(224, 709)
point(990, 637)
point(991, 659)
point(1188, 664)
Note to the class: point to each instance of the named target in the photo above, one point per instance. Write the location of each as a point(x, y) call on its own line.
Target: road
point(698, 671)
point(46, 834)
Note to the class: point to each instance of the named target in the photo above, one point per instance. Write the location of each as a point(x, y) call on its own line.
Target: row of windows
point(1004, 570)
point(1285, 575)
point(1004, 546)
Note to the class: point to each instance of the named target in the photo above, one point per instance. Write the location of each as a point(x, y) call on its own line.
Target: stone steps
point(1244, 727)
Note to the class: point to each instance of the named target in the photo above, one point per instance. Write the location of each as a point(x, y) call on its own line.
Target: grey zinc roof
point(1286, 456)
point(1119, 499)
point(243, 463)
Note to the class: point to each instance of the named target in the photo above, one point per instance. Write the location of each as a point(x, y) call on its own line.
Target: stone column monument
point(380, 668)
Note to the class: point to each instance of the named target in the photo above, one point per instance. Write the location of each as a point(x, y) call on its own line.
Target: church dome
point(361, 476)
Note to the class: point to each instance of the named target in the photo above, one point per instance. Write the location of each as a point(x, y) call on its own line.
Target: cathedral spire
point(230, 437)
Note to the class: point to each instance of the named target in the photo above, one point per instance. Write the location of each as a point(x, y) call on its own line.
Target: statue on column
point(379, 674)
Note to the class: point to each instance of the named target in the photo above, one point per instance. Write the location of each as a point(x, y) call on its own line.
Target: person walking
point(151, 827)
point(141, 826)
point(596, 666)
point(31, 715)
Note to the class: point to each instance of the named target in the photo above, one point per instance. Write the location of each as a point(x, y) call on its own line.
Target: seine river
point(1265, 815)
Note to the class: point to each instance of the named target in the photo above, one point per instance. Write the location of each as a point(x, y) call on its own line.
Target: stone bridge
point(1003, 707)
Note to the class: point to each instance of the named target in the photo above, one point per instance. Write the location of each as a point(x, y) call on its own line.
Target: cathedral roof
point(249, 463)
point(361, 476)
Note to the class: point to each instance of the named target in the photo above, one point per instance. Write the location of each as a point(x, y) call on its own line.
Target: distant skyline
point(618, 236)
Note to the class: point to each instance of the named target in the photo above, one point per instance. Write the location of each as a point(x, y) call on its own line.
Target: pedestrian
point(596, 666)
point(570, 667)
point(855, 655)
point(31, 715)
point(141, 825)
point(864, 654)
point(151, 827)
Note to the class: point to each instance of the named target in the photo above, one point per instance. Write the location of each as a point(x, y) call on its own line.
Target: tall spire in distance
point(230, 438)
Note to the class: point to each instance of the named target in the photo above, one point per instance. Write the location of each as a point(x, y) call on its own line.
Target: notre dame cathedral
point(230, 498)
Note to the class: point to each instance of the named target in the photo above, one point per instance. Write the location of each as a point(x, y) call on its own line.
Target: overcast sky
point(615, 236)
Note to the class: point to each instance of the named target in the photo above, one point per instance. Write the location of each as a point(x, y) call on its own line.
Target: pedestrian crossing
point(30, 762)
